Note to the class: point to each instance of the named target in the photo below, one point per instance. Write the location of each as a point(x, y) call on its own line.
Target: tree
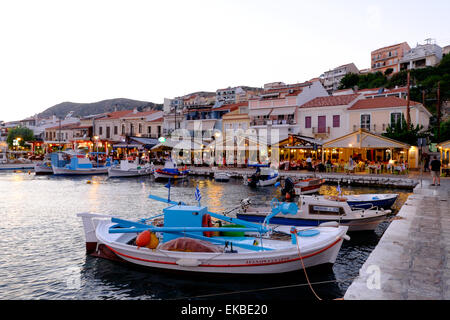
point(400, 132)
point(23, 133)
point(349, 81)
point(388, 71)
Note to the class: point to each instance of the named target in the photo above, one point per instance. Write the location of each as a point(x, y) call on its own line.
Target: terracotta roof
point(384, 102)
point(231, 107)
point(157, 120)
point(329, 101)
point(139, 114)
point(116, 114)
point(65, 126)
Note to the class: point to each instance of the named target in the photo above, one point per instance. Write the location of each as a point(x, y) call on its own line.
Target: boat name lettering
point(329, 209)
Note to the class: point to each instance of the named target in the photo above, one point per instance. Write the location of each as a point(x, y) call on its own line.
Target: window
point(365, 121)
point(336, 121)
point(396, 117)
point(307, 122)
point(140, 128)
point(123, 129)
point(100, 131)
point(116, 130)
point(149, 129)
point(108, 132)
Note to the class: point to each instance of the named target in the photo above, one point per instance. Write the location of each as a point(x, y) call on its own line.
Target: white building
point(332, 78)
point(422, 56)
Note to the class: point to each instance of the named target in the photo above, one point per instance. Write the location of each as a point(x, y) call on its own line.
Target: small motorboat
point(170, 171)
point(70, 162)
point(188, 239)
point(308, 186)
point(264, 176)
point(44, 166)
point(127, 168)
point(315, 210)
point(365, 201)
point(220, 176)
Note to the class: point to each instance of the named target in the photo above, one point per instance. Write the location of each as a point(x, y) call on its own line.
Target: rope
point(265, 289)
point(303, 265)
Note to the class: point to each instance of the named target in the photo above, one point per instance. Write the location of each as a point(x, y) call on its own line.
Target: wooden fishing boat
point(189, 238)
point(128, 168)
point(170, 171)
point(316, 210)
point(74, 163)
point(264, 176)
point(44, 167)
point(308, 186)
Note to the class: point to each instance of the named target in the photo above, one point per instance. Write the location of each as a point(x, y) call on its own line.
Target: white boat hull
point(39, 169)
point(90, 171)
point(116, 173)
point(285, 256)
point(223, 177)
point(159, 175)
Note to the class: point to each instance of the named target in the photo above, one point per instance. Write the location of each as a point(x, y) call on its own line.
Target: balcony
point(265, 122)
point(371, 128)
point(321, 132)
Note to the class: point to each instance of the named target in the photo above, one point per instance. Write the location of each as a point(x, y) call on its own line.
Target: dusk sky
point(87, 51)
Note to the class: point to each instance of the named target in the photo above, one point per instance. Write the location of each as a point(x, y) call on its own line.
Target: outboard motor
point(253, 180)
point(288, 190)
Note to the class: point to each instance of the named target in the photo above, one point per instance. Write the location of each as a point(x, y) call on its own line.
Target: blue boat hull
point(380, 203)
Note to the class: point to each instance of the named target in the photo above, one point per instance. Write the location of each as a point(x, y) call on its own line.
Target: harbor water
point(43, 250)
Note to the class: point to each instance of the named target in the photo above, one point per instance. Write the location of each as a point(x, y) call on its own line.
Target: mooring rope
point(265, 289)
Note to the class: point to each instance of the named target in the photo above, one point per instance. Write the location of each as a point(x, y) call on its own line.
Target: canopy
point(364, 139)
point(127, 145)
point(444, 145)
point(179, 144)
point(259, 112)
point(283, 111)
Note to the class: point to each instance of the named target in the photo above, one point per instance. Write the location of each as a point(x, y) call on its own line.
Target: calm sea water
point(43, 249)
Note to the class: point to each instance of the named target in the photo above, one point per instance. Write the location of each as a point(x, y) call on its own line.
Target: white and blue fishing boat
point(70, 162)
point(190, 238)
point(264, 176)
point(170, 171)
point(44, 166)
point(127, 168)
point(316, 210)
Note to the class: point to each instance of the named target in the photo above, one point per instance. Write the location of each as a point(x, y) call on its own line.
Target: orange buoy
point(143, 238)
point(288, 196)
point(154, 241)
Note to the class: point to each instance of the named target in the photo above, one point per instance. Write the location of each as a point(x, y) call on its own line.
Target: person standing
point(309, 163)
point(435, 168)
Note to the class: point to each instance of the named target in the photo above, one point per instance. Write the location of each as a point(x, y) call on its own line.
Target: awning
point(363, 139)
point(259, 112)
point(183, 144)
point(283, 111)
point(127, 145)
point(147, 142)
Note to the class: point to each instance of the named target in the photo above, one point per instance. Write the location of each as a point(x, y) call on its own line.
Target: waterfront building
point(388, 57)
point(326, 118)
point(237, 118)
point(422, 56)
point(276, 107)
point(111, 127)
point(374, 115)
point(238, 94)
point(445, 50)
point(331, 79)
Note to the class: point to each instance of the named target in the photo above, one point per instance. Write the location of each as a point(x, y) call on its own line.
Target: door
point(321, 124)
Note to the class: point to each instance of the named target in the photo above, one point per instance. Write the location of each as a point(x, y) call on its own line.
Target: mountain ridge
point(60, 110)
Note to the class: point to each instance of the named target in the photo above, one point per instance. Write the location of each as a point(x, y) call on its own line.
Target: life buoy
point(206, 223)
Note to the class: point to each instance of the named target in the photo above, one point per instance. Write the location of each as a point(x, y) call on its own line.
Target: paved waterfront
point(413, 256)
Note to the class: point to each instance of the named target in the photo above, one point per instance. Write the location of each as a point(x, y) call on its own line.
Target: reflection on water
point(44, 252)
